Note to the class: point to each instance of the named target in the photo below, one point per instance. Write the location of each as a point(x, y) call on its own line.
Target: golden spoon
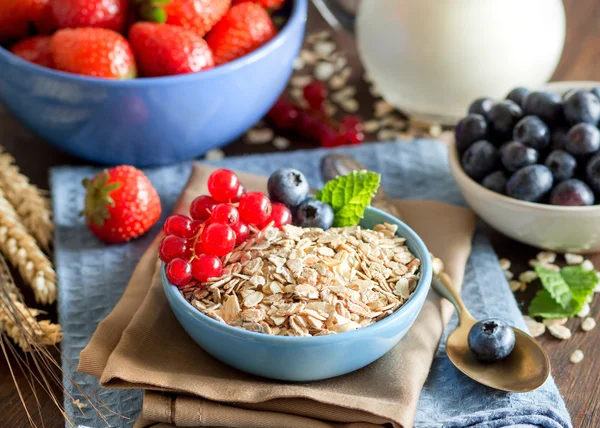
point(526, 368)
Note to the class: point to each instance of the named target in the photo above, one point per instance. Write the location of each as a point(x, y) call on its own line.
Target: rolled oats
point(574, 259)
point(546, 257)
point(515, 285)
point(504, 264)
point(535, 328)
point(587, 265)
point(588, 324)
point(576, 357)
point(559, 331)
point(528, 276)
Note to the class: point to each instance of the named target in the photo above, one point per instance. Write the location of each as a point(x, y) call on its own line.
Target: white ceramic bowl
point(563, 229)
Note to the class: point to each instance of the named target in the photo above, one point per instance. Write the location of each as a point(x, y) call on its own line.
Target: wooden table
point(578, 383)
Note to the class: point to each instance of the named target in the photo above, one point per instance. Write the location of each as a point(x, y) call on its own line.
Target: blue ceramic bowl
point(152, 121)
point(307, 358)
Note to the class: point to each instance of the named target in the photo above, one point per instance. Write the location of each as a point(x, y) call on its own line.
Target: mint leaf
point(349, 195)
point(543, 305)
point(555, 284)
point(581, 283)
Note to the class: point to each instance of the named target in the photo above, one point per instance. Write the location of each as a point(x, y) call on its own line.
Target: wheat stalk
point(21, 249)
point(32, 207)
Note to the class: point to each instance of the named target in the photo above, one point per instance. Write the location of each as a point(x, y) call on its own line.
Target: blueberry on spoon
point(491, 340)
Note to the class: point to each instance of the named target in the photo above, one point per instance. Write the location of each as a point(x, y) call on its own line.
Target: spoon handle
point(443, 285)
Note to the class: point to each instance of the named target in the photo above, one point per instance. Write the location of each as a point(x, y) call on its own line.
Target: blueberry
point(480, 159)
point(582, 106)
point(595, 91)
point(518, 95)
point(545, 105)
point(313, 213)
point(502, 118)
point(470, 129)
point(288, 186)
point(583, 139)
point(481, 106)
point(558, 140)
point(532, 132)
point(592, 172)
point(496, 182)
point(573, 193)
point(515, 155)
point(562, 165)
point(491, 340)
point(531, 183)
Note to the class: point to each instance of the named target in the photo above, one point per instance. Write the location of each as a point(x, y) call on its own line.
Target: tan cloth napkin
point(141, 345)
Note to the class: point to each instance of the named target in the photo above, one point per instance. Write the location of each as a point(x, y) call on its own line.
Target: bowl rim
point(297, 16)
point(421, 290)
point(460, 175)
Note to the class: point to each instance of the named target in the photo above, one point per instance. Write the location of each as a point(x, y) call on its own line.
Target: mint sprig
point(349, 195)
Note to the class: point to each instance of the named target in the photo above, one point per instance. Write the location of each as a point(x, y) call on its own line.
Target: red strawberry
point(198, 16)
point(109, 14)
point(17, 17)
point(244, 28)
point(165, 50)
point(35, 49)
point(94, 52)
point(120, 204)
point(267, 4)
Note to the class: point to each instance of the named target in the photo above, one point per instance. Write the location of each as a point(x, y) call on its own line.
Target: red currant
point(226, 214)
point(255, 207)
point(179, 272)
point(283, 114)
point(328, 137)
point(354, 137)
point(172, 247)
point(241, 192)
point(202, 207)
point(199, 248)
point(178, 225)
point(280, 214)
point(315, 93)
point(307, 125)
point(353, 122)
point(242, 232)
point(218, 239)
point(206, 266)
point(223, 185)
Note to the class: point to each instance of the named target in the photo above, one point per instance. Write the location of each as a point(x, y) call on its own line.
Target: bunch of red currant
point(193, 246)
point(313, 122)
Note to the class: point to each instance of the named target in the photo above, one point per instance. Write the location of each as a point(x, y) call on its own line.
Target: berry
point(198, 16)
point(351, 129)
point(166, 50)
point(313, 213)
point(491, 340)
point(572, 192)
point(470, 129)
point(503, 117)
point(242, 232)
point(518, 95)
point(218, 239)
point(592, 173)
point(35, 49)
point(223, 185)
point(329, 138)
point(280, 215)
point(18, 16)
point(198, 247)
point(206, 266)
point(226, 214)
point(241, 192)
point(308, 125)
point(582, 106)
point(583, 139)
point(110, 14)
point(481, 106)
point(545, 105)
point(120, 204)
point(562, 165)
point(244, 28)
point(315, 94)
point(172, 247)
point(515, 155)
point(288, 186)
point(96, 52)
point(532, 132)
point(530, 183)
point(202, 207)
point(558, 140)
point(283, 114)
point(496, 182)
point(255, 208)
point(179, 225)
point(179, 272)
point(480, 159)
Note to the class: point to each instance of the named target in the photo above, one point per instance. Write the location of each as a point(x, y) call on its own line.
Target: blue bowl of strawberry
point(145, 83)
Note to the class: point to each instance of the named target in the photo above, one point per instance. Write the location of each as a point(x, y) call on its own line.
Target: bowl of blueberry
point(529, 165)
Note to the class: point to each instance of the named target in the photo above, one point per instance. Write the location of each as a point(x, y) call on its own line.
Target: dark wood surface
point(578, 383)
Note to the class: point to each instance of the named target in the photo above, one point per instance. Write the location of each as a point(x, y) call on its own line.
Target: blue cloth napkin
point(92, 277)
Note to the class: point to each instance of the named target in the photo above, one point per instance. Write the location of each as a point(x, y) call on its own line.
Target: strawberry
point(244, 28)
point(165, 50)
point(120, 204)
point(94, 52)
point(109, 14)
point(35, 49)
point(198, 16)
point(267, 4)
point(18, 16)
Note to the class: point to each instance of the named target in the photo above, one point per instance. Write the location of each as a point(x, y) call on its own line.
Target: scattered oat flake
point(371, 126)
point(587, 265)
point(588, 324)
point(300, 81)
point(323, 71)
point(535, 328)
point(259, 136)
point(546, 257)
point(324, 49)
point(528, 276)
point(515, 285)
point(214, 154)
point(435, 130)
point(576, 356)
point(343, 94)
point(387, 135)
point(556, 321)
point(573, 259)
point(299, 64)
point(318, 36)
point(329, 108)
point(382, 108)
point(559, 331)
point(509, 275)
point(337, 82)
point(281, 143)
point(375, 91)
point(308, 57)
point(504, 264)
point(350, 105)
